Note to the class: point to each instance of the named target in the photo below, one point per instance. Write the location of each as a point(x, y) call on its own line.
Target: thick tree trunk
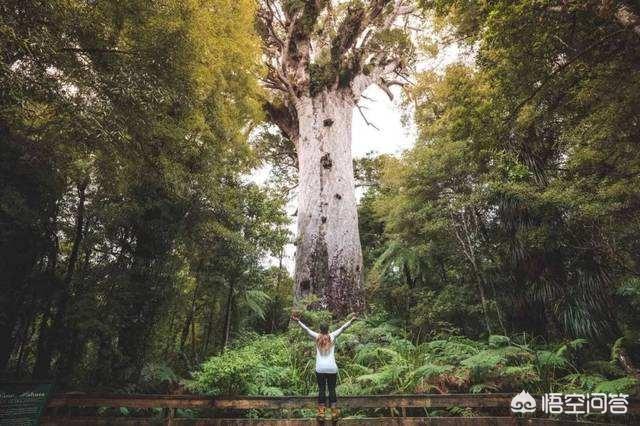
point(328, 252)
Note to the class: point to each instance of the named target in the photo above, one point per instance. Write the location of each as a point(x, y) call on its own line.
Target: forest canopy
point(501, 251)
point(128, 227)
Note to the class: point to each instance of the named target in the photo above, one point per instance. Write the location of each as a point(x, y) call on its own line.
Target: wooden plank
point(131, 401)
point(408, 421)
point(191, 401)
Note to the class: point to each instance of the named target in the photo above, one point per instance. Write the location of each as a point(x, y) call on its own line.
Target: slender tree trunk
point(227, 317)
point(58, 337)
point(189, 319)
point(328, 256)
point(43, 357)
point(207, 339)
point(23, 340)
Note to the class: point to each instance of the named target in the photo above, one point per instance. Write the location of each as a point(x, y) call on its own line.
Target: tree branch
point(357, 20)
point(362, 81)
point(297, 46)
point(365, 118)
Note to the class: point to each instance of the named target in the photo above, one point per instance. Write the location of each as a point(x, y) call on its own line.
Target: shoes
point(335, 413)
point(320, 414)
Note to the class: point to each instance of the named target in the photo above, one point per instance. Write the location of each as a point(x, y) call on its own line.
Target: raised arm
point(337, 332)
point(310, 332)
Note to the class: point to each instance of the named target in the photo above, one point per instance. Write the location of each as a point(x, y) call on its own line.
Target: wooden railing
point(281, 402)
point(59, 412)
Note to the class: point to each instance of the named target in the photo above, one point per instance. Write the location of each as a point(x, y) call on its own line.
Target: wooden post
point(169, 414)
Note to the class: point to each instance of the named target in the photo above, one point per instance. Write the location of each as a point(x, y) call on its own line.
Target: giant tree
point(320, 57)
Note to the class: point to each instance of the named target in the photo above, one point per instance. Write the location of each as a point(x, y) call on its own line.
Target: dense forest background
point(502, 250)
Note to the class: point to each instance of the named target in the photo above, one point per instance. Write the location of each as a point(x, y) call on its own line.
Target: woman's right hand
point(294, 316)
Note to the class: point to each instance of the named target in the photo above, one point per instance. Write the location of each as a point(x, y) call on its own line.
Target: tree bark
point(328, 252)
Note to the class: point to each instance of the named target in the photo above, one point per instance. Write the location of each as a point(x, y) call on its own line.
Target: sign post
point(22, 403)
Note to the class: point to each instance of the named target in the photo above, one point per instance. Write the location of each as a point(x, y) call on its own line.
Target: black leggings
point(326, 380)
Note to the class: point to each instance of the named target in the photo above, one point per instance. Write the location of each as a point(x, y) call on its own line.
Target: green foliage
point(124, 207)
point(393, 39)
point(496, 341)
point(256, 301)
point(263, 366)
point(136, 251)
point(514, 211)
point(157, 377)
point(627, 385)
point(375, 358)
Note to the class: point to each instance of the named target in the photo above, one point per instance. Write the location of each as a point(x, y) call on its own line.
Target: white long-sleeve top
point(326, 363)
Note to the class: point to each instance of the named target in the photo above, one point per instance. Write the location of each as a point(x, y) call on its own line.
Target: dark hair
point(324, 328)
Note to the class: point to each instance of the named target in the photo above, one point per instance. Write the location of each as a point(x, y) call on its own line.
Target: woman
point(326, 367)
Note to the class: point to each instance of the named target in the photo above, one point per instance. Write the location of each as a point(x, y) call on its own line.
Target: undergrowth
point(375, 356)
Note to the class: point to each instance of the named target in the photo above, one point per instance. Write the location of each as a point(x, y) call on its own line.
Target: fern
point(567, 348)
point(376, 357)
point(269, 391)
point(158, 373)
point(384, 380)
point(484, 360)
point(621, 385)
point(256, 301)
point(580, 382)
point(604, 368)
point(484, 387)
point(497, 341)
point(549, 360)
point(431, 371)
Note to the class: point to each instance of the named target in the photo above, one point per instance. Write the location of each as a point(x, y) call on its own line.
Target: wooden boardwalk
point(497, 400)
point(80, 409)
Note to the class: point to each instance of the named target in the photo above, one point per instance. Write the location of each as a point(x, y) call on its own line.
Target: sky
point(390, 137)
